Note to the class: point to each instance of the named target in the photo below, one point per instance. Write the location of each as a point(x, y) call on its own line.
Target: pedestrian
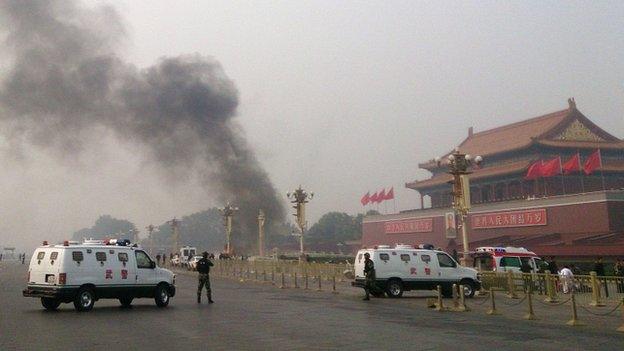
point(369, 273)
point(619, 273)
point(567, 279)
point(552, 265)
point(599, 267)
point(158, 259)
point(23, 257)
point(164, 258)
point(203, 268)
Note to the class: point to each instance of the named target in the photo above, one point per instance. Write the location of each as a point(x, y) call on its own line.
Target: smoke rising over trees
point(66, 83)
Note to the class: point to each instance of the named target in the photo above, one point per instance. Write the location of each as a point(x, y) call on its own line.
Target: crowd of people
point(567, 273)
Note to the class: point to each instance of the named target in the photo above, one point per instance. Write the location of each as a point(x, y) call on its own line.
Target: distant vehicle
point(405, 268)
point(85, 273)
point(503, 259)
point(185, 253)
point(192, 264)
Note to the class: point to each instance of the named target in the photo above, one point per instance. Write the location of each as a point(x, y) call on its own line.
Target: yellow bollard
point(621, 328)
point(511, 286)
point(596, 298)
point(334, 285)
point(530, 315)
point(550, 288)
point(440, 304)
point(574, 321)
point(455, 298)
point(462, 300)
point(492, 311)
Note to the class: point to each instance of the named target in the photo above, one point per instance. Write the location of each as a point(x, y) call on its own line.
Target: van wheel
point(50, 304)
point(125, 301)
point(394, 288)
point(469, 288)
point(161, 296)
point(84, 300)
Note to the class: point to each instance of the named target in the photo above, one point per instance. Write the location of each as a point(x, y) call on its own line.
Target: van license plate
point(50, 279)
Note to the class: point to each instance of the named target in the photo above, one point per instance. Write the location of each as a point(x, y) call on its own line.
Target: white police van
point(405, 268)
point(85, 273)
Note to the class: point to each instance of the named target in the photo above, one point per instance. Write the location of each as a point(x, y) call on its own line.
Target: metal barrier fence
point(588, 289)
point(294, 273)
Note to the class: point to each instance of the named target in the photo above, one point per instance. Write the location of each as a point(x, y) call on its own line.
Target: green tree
point(335, 227)
point(106, 227)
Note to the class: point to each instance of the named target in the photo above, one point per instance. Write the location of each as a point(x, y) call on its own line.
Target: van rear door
point(44, 266)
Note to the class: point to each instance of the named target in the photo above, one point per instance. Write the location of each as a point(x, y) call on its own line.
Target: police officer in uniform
point(203, 268)
point(369, 273)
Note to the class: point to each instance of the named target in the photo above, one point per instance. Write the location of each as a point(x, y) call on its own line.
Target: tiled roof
point(582, 144)
point(493, 171)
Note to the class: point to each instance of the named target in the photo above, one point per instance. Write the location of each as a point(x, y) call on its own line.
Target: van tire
point(125, 301)
point(50, 304)
point(161, 295)
point(469, 288)
point(84, 300)
point(394, 288)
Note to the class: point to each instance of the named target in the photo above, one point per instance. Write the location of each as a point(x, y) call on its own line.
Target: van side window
point(77, 256)
point(445, 261)
point(53, 256)
point(405, 257)
point(40, 255)
point(510, 262)
point(384, 256)
point(100, 256)
point(143, 261)
point(122, 256)
point(425, 258)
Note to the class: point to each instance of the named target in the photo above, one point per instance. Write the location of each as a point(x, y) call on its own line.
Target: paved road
point(251, 316)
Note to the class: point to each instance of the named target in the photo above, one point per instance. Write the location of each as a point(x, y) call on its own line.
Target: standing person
point(552, 265)
point(567, 278)
point(158, 259)
point(369, 273)
point(23, 257)
point(619, 273)
point(203, 268)
point(600, 272)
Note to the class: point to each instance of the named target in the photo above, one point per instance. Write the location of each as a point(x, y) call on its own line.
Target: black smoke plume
point(65, 81)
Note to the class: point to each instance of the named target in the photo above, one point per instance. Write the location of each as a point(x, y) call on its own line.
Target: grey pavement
point(256, 316)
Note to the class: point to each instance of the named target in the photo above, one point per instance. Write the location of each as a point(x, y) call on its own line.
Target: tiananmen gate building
point(574, 215)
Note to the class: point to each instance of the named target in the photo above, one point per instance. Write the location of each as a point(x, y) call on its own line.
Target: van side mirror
point(152, 264)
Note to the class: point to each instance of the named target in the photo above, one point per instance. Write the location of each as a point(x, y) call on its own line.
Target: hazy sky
point(341, 97)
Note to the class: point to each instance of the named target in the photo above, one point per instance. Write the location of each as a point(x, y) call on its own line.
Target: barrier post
point(596, 298)
point(319, 283)
point(621, 328)
point(511, 286)
point(462, 300)
point(334, 285)
point(440, 305)
point(574, 321)
point(492, 311)
point(530, 315)
point(455, 298)
point(550, 289)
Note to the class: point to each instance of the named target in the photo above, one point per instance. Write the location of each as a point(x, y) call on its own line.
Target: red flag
point(390, 194)
point(365, 199)
point(551, 168)
point(593, 162)
point(374, 198)
point(382, 196)
point(534, 171)
point(572, 165)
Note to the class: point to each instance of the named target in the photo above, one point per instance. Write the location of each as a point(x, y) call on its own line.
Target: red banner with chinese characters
point(523, 218)
point(421, 225)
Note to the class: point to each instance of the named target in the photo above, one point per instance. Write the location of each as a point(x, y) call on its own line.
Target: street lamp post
point(261, 219)
point(228, 213)
point(299, 198)
point(458, 167)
